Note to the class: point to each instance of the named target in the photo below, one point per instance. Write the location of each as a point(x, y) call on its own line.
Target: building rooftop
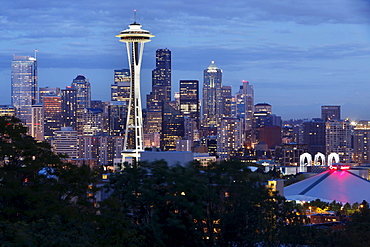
point(339, 185)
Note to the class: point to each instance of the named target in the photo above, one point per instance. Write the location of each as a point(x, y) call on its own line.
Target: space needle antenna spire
point(135, 37)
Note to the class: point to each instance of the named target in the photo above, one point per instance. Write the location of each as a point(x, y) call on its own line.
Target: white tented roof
point(340, 185)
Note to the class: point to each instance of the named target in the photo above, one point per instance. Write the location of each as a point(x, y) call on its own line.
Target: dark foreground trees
point(222, 205)
point(45, 202)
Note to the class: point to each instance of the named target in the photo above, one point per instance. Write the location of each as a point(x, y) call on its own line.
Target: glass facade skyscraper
point(120, 90)
point(161, 91)
point(52, 107)
point(245, 104)
point(212, 96)
point(24, 87)
point(189, 99)
point(83, 99)
point(82, 85)
point(69, 107)
point(161, 75)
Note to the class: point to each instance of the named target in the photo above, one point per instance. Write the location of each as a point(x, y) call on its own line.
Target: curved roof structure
point(340, 185)
point(134, 34)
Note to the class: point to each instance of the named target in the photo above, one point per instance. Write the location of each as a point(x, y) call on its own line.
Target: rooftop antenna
point(36, 52)
point(134, 16)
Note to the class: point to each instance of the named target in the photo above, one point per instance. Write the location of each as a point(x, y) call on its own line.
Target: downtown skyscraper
point(24, 87)
point(161, 91)
point(212, 96)
point(161, 75)
point(245, 104)
point(83, 99)
point(189, 99)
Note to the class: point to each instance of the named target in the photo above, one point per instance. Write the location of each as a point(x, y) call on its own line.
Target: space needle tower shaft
point(134, 37)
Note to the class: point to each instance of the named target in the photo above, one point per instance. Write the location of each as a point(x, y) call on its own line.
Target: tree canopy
point(47, 202)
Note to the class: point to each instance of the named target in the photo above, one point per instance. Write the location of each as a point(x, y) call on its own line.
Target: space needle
point(134, 37)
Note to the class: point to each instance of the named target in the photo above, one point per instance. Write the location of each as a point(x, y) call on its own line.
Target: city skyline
point(297, 56)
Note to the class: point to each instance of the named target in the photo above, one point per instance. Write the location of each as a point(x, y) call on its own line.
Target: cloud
point(288, 42)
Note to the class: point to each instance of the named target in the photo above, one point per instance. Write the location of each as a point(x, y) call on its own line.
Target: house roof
point(340, 185)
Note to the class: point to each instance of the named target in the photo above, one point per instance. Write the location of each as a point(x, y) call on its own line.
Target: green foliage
point(223, 204)
point(43, 202)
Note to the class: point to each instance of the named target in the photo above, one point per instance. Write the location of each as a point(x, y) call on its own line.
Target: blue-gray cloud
point(285, 43)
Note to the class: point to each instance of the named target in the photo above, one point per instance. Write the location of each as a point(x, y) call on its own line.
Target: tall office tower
point(120, 90)
point(65, 141)
point(261, 117)
point(37, 129)
point(69, 107)
point(339, 139)
point(172, 127)
point(83, 99)
point(361, 142)
point(82, 85)
point(161, 76)
point(330, 112)
point(226, 101)
point(117, 108)
point(161, 91)
point(44, 91)
point(313, 134)
point(24, 87)
point(189, 99)
point(212, 99)
point(7, 110)
point(134, 37)
point(245, 104)
point(52, 106)
point(229, 137)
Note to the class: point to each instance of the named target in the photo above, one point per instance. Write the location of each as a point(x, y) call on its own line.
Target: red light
point(340, 167)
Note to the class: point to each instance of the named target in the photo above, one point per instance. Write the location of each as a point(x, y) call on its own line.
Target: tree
point(43, 201)
point(165, 199)
point(223, 204)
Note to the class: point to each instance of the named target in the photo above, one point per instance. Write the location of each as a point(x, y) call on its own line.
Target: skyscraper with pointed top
point(212, 96)
point(134, 37)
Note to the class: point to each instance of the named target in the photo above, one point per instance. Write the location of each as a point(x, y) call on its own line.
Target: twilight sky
point(297, 54)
